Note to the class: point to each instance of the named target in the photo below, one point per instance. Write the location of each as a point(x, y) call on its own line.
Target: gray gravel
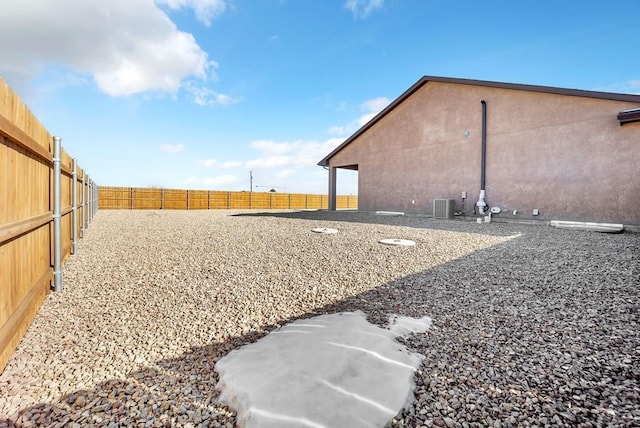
point(533, 326)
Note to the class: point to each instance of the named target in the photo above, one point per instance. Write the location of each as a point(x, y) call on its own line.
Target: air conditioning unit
point(443, 208)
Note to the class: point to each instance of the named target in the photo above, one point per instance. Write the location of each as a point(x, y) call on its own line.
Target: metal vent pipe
point(74, 206)
point(57, 229)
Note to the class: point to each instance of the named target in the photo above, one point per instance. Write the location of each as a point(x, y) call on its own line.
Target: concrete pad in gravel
point(326, 371)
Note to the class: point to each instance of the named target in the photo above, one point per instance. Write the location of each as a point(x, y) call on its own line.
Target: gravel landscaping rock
point(532, 326)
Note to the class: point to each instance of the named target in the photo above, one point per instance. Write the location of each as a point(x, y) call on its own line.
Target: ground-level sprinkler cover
point(398, 242)
point(325, 230)
point(334, 370)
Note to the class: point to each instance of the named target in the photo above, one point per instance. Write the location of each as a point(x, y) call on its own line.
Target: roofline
point(502, 85)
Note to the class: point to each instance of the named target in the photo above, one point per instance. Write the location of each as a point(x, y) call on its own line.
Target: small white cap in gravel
point(398, 242)
point(325, 230)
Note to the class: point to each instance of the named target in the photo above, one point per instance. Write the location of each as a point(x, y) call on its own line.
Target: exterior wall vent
point(443, 208)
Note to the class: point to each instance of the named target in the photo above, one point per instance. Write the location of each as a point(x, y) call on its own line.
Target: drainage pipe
point(482, 205)
point(57, 230)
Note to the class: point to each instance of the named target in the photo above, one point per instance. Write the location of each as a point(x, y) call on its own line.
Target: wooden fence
point(175, 199)
point(46, 203)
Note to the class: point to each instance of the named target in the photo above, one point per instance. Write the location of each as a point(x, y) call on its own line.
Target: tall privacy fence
point(174, 199)
point(46, 203)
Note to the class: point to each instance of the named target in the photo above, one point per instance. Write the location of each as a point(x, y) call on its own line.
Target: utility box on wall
point(443, 208)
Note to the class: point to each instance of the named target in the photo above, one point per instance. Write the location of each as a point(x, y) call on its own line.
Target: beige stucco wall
point(566, 156)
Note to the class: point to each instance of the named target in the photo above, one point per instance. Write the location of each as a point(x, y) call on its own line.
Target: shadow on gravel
point(523, 333)
point(423, 222)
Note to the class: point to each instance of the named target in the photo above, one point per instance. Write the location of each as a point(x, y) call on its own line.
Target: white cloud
point(292, 154)
point(628, 87)
point(363, 8)
point(172, 148)
point(270, 162)
point(232, 164)
point(208, 163)
point(219, 181)
point(211, 163)
point(362, 120)
point(372, 107)
point(376, 105)
point(127, 46)
point(205, 10)
point(272, 147)
point(286, 173)
point(204, 96)
point(338, 130)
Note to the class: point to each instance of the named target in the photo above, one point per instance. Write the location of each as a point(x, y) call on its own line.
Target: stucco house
point(529, 152)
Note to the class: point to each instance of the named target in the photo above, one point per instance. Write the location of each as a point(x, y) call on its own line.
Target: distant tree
point(272, 190)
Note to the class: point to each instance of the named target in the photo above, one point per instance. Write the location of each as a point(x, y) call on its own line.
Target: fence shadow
point(495, 311)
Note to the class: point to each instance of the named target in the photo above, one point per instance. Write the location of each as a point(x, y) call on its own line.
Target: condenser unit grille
point(443, 208)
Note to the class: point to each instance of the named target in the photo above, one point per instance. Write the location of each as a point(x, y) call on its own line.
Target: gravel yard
point(532, 325)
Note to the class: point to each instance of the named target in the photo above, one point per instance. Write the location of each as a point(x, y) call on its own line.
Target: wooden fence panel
point(239, 200)
point(260, 200)
point(181, 199)
point(175, 199)
point(314, 201)
point(298, 201)
point(280, 201)
point(26, 151)
point(219, 200)
point(26, 217)
point(111, 197)
point(198, 199)
point(146, 198)
point(346, 202)
point(66, 204)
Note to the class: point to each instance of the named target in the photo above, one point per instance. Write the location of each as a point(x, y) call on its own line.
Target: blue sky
point(197, 93)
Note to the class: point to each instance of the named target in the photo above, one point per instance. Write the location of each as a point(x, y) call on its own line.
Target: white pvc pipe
point(482, 205)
